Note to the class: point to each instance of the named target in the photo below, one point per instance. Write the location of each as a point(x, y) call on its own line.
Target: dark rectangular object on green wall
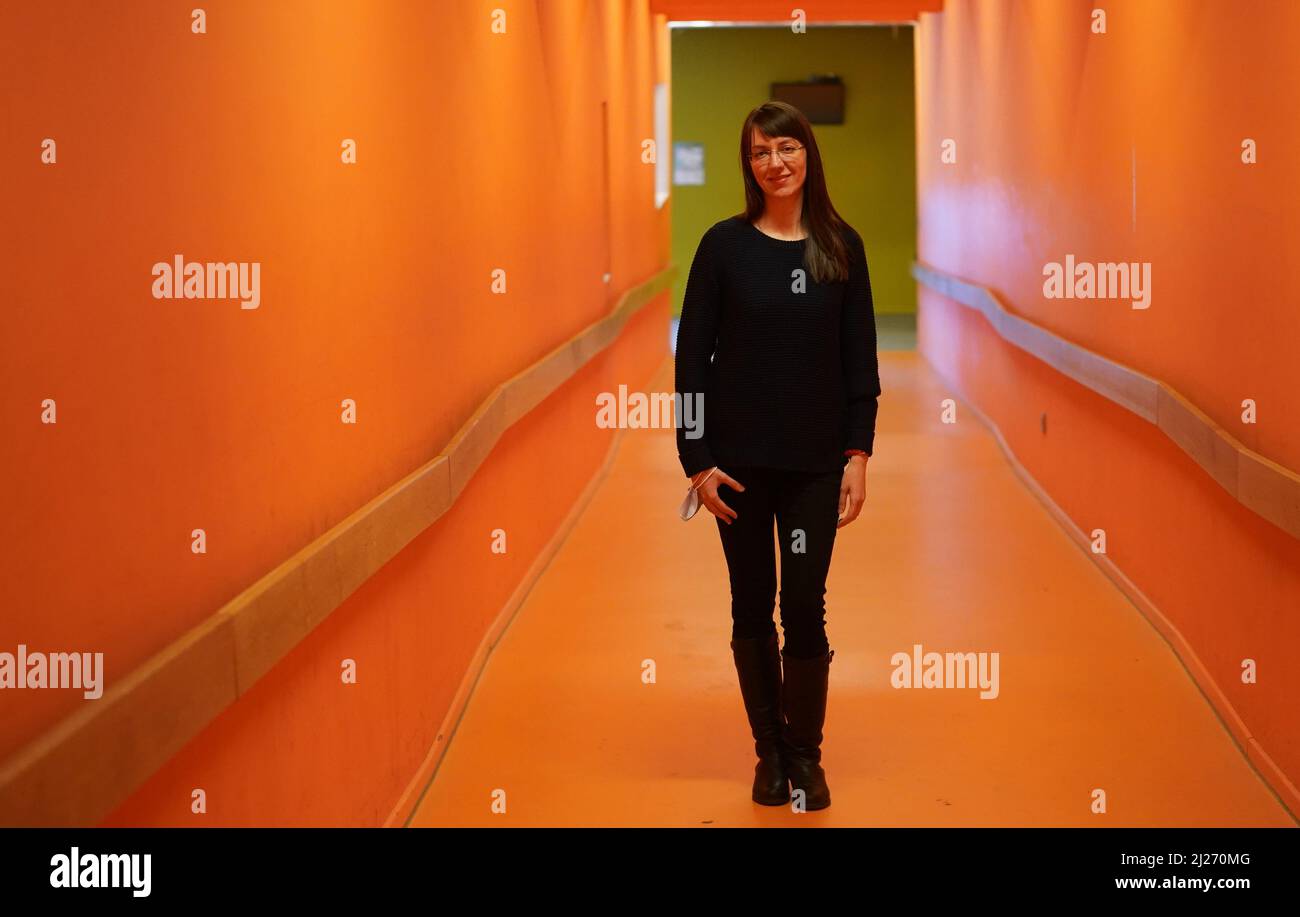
point(822, 102)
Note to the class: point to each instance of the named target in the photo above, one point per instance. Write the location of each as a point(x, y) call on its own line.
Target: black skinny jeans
point(806, 508)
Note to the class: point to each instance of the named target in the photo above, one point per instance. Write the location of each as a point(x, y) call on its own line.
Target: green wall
point(719, 74)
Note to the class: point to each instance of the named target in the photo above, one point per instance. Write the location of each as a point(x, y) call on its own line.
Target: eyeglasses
point(787, 152)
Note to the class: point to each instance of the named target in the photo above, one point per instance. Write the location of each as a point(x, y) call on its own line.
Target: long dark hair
point(826, 256)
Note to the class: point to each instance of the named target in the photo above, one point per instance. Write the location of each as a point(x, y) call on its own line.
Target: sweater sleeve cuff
point(696, 460)
point(860, 439)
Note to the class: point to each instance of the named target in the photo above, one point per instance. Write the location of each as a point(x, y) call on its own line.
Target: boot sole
point(809, 807)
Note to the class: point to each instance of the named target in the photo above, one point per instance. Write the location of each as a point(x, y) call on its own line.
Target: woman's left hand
point(853, 489)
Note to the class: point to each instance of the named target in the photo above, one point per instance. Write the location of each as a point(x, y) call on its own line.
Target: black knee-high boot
point(804, 704)
point(758, 665)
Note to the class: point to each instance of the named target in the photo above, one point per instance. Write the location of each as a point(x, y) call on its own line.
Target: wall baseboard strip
point(1273, 776)
point(410, 799)
point(1262, 486)
point(78, 771)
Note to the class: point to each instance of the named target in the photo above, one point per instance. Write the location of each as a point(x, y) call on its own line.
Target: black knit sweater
point(787, 366)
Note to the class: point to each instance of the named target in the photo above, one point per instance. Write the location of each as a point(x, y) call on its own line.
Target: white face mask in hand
point(691, 504)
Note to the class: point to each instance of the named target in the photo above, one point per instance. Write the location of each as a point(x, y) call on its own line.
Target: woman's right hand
point(708, 492)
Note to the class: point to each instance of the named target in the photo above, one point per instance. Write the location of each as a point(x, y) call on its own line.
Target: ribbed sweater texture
point(787, 367)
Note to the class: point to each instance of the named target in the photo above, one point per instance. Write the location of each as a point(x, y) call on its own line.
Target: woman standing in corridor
point(778, 337)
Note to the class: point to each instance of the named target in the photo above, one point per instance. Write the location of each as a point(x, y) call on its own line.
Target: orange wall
point(1127, 147)
point(300, 748)
point(475, 151)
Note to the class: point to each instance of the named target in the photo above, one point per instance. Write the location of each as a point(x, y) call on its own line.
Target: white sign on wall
point(688, 163)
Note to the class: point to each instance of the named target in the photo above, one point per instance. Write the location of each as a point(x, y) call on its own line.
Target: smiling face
point(779, 176)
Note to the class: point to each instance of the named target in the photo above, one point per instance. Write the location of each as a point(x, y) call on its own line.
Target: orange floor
point(1090, 695)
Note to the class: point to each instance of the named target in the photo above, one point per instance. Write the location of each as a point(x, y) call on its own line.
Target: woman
point(778, 339)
